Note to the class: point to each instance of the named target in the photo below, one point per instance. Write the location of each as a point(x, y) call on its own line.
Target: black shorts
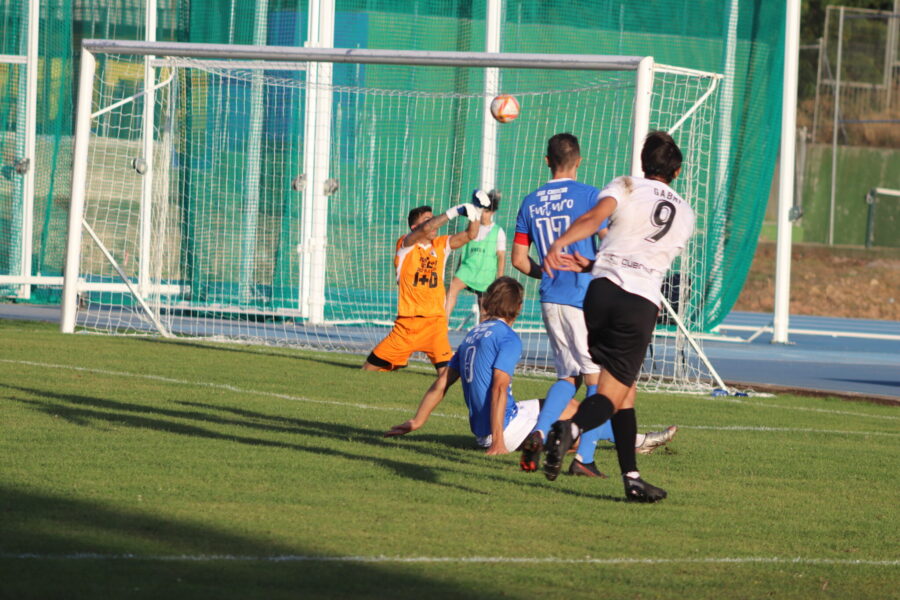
point(620, 325)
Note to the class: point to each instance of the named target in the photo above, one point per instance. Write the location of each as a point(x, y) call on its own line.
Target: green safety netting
point(677, 32)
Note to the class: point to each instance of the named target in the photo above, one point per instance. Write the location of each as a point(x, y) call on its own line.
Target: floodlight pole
point(786, 175)
point(250, 204)
point(146, 206)
point(491, 89)
point(316, 164)
point(723, 161)
point(835, 125)
point(890, 52)
point(28, 157)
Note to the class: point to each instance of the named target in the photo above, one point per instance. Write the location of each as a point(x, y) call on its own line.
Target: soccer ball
point(505, 108)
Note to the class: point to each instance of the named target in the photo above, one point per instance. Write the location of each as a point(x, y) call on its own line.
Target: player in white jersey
point(543, 215)
point(650, 225)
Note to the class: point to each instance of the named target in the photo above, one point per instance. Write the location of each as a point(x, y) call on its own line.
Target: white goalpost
point(281, 179)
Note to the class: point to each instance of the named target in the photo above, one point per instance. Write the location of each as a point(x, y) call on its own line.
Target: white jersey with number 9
point(648, 228)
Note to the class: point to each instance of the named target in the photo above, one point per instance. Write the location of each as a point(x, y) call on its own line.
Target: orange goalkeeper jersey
point(420, 277)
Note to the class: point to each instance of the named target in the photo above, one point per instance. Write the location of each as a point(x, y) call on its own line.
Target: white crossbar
point(13, 59)
point(886, 192)
point(576, 62)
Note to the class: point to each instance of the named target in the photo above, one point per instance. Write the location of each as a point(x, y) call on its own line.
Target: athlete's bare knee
point(570, 410)
point(367, 366)
point(630, 397)
point(615, 390)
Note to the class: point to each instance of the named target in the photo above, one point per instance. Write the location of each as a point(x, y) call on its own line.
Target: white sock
point(575, 431)
point(633, 474)
point(639, 439)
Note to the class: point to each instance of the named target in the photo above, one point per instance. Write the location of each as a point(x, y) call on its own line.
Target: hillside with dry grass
point(834, 282)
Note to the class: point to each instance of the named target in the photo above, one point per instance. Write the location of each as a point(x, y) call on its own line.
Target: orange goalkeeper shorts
point(413, 334)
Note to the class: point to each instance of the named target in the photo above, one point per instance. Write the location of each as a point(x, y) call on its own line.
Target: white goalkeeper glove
point(454, 212)
point(481, 199)
point(470, 210)
point(473, 212)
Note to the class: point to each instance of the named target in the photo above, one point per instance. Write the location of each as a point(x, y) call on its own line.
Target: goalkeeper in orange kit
point(420, 258)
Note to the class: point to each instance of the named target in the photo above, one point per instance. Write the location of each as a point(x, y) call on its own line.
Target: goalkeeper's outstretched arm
point(424, 230)
point(471, 210)
point(480, 202)
point(465, 236)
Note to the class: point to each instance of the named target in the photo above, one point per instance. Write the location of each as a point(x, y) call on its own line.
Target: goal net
point(228, 196)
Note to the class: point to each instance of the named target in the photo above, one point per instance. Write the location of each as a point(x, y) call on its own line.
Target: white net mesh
point(231, 232)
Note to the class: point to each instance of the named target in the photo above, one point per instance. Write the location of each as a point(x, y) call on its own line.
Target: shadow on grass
point(60, 547)
point(264, 351)
point(250, 416)
point(248, 419)
point(86, 411)
point(417, 442)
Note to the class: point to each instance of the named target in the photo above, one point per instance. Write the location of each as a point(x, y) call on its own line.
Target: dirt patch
point(827, 281)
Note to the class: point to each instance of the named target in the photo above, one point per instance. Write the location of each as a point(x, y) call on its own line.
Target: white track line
point(799, 560)
point(238, 390)
point(779, 429)
point(828, 411)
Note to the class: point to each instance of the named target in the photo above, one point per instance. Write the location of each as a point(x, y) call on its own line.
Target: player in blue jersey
point(544, 216)
point(484, 363)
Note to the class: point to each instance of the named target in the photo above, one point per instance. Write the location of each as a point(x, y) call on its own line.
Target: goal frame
point(316, 219)
point(872, 204)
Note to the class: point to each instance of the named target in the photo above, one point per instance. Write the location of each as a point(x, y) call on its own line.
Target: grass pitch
point(145, 469)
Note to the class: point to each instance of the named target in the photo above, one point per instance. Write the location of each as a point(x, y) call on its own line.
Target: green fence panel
point(858, 171)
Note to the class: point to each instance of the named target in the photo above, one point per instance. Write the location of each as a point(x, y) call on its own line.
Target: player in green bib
point(481, 260)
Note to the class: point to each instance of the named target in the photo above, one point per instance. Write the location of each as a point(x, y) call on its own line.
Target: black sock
point(594, 411)
point(624, 426)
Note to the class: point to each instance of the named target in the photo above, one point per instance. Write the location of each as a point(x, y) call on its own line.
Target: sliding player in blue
point(485, 362)
point(544, 216)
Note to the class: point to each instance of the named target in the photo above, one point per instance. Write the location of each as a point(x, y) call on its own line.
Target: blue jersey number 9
point(469, 364)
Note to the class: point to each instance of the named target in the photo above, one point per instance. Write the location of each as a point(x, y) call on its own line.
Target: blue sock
point(589, 440)
point(558, 397)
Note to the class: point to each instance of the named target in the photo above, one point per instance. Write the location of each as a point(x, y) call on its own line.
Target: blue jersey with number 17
point(487, 346)
point(546, 214)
